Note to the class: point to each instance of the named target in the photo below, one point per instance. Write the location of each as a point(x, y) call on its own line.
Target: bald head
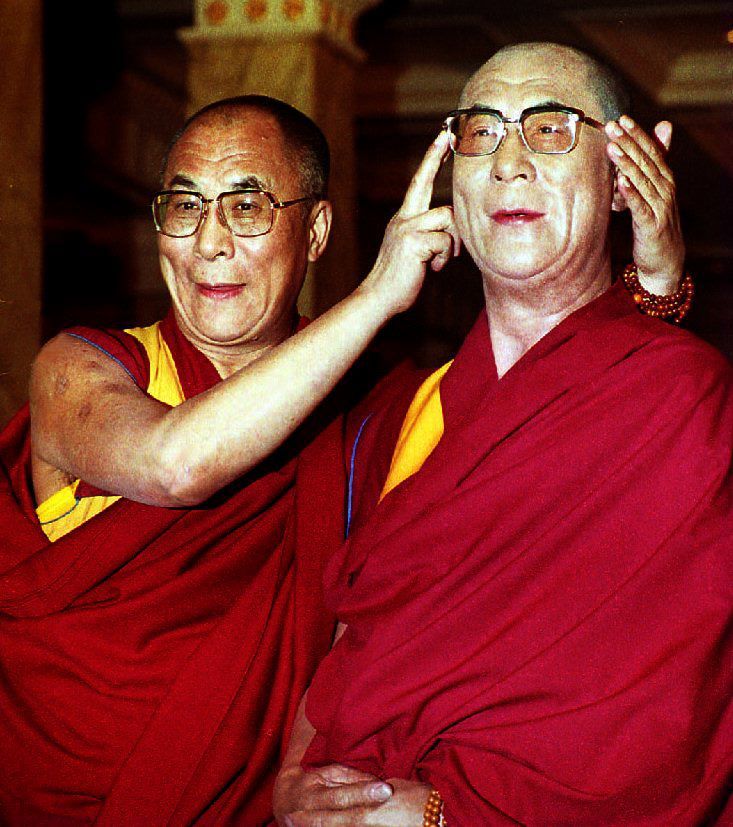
point(604, 85)
point(302, 137)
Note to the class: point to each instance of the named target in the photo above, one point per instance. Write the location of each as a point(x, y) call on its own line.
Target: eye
point(246, 202)
point(481, 126)
point(549, 128)
point(182, 202)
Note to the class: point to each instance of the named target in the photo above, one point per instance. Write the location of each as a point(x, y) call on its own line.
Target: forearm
point(300, 738)
point(221, 434)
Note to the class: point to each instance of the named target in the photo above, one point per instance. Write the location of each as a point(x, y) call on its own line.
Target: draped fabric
point(152, 660)
point(539, 619)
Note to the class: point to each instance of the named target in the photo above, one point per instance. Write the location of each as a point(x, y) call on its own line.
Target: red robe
point(152, 660)
point(539, 621)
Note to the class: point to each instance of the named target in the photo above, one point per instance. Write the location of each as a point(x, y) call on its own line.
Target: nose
point(213, 238)
point(512, 160)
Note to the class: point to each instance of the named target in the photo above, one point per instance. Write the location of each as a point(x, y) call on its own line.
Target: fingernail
point(614, 129)
point(626, 122)
point(380, 792)
point(615, 150)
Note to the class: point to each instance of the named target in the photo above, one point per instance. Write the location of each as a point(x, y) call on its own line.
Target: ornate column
point(303, 52)
point(20, 198)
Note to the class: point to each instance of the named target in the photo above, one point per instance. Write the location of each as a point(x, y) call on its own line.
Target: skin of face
point(567, 198)
point(235, 296)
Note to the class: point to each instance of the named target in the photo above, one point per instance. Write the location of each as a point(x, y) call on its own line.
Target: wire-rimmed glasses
point(247, 212)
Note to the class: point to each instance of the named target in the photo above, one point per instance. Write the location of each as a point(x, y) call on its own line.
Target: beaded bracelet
point(433, 814)
point(674, 306)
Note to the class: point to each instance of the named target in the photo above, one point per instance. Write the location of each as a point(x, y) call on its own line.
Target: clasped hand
point(337, 796)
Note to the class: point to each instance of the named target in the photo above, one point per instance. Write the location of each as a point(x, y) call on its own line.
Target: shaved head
point(602, 81)
point(303, 138)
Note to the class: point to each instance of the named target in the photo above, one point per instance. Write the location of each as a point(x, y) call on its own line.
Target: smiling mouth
point(518, 216)
point(219, 291)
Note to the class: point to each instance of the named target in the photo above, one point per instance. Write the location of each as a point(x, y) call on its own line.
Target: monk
point(535, 617)
point(167, 507)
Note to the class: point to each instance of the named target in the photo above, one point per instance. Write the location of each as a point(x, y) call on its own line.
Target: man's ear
point(618, 204)
point(319, 228)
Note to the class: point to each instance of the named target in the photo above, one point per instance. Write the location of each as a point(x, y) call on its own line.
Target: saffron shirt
point(152, 659)
point(538, 619)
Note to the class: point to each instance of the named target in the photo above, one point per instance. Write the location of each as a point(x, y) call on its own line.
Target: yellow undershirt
point(420, 433)
point(62, 512)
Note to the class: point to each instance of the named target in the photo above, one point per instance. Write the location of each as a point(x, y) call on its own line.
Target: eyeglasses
point(179, 213)
point(547, 129)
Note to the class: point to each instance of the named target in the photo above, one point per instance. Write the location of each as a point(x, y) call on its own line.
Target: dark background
point(115, 92)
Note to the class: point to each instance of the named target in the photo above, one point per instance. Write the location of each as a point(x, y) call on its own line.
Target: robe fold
point(539, 619)
point(152, 660)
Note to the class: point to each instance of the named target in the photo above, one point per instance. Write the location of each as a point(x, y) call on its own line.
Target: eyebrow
point(249, 182)
point(548, 102)
point(182, 181)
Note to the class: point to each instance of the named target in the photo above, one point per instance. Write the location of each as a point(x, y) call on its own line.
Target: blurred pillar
point(20, 197)
point(302, 52)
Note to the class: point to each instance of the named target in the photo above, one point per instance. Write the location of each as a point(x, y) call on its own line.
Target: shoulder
point(91, 351)
point(667, 380)
point(678, 358)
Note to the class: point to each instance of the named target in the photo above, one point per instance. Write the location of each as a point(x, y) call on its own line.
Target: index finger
point(420, 191)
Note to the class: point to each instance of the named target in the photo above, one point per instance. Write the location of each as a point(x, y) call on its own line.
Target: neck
point(521, 312)
point(228, 361)
point(229, 357)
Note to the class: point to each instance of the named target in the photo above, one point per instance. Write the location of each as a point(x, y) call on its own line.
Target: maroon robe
point(151, 661)
point(539, 621)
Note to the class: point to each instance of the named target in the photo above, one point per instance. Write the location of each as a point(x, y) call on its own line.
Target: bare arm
point(90, 421)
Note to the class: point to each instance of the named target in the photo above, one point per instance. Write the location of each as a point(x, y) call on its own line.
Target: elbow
point(185, 489)
point(180, 483)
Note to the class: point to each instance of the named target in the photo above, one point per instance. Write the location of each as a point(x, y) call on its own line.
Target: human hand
point(415, 237)
point(333, 791)
point(404, 808)
point(646, 186)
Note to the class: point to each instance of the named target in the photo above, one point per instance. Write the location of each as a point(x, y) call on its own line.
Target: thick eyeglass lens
point(178, 213)
point(549, 132)
point(247, 213)
point(476, 133)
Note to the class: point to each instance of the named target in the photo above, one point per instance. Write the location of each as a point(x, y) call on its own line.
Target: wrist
point(673, 306)
point(375, 305)
point(661, 284)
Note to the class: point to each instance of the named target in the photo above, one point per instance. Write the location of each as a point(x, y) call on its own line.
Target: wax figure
point(536, 617)
point(163, 534)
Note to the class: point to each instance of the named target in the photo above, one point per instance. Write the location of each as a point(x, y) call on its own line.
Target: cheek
point(465, 208)
point(172, 258)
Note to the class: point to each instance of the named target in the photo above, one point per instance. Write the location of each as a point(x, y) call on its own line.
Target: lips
point(518, 215)
point(219, 291)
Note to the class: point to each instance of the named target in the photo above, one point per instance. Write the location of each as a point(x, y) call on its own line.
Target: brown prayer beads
point(674, 306)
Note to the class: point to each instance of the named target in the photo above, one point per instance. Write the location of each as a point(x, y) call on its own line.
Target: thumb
point(346, 796)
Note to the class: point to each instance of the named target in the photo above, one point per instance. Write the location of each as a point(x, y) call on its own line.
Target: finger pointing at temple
point(416, 237)
point(420, 192)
